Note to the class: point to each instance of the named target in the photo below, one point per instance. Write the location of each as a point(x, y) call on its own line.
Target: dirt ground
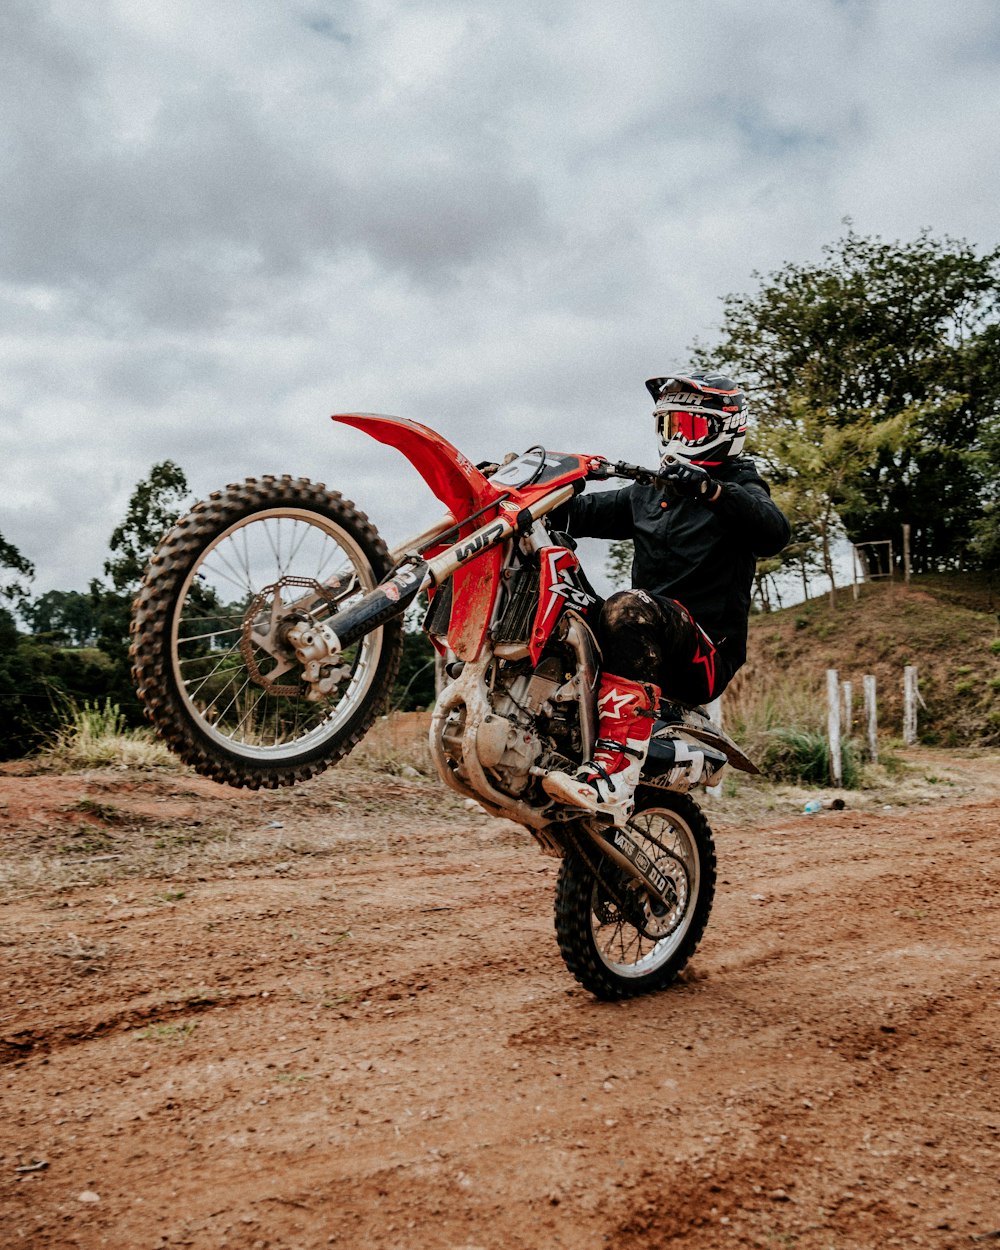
point(337, 1016)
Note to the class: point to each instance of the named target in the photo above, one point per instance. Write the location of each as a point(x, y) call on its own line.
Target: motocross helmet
point(701, 417)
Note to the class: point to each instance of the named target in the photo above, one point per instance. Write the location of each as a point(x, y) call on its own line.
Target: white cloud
point(222, 222)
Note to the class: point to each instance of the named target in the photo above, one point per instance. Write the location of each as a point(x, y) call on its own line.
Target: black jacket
point(701, 554)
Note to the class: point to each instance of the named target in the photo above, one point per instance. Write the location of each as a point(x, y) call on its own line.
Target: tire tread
point(574, 893)
point(149, 650)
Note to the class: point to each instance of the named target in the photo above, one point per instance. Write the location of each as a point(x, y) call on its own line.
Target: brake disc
point(275, 646)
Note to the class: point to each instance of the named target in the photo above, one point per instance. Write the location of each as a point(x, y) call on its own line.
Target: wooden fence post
point(871, 718)
point(833, 725)
point(440, 676)
point(847, 691)
point(906, 554)
point(911, 696)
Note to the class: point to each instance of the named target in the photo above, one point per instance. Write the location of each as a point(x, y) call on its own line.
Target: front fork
point(319, 644)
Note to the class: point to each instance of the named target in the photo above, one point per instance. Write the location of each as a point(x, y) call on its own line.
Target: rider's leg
point(605, 785)
point(644, 641)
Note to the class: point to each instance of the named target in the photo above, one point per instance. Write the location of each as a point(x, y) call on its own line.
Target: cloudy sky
point(223, 221)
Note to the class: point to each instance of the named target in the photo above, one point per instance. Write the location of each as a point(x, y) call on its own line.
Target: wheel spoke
point(225, 568)
point(619, 940)
point(212, 623)
point(286, 549)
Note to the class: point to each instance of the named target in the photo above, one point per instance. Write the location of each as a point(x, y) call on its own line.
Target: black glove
point(687, 480)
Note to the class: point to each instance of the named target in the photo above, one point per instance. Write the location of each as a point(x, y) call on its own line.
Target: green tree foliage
point(414, 688)
point(38, 675)
point(15, 572)
point(154, 507)
point(619, 563)
point(875, 377)
point(38, 682)
point(986, 532)
point(66, 617)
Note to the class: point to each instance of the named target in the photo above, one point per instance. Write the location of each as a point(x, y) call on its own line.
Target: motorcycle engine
point(510, 738)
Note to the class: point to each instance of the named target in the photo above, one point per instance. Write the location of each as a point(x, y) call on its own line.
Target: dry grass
point(96, 736)
point(753, 711)
point(944, 626)
point(385, 794)
point(397, 745)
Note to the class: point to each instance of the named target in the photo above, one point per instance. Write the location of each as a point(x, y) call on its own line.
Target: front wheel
point(211, 655)
point(615, 939)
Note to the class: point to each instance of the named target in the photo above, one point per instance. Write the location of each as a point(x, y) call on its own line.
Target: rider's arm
point(604, 514)
point(745, 505)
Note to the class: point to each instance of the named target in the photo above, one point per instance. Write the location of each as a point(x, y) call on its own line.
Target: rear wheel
point(614, 938)
point(210, 654)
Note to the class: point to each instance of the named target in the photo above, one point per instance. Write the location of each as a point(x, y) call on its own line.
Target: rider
point(682, 628)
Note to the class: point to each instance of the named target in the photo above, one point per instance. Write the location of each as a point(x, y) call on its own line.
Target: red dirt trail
point(366, 1037)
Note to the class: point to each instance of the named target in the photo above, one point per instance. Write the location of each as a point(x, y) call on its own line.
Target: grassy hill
point(945, 625)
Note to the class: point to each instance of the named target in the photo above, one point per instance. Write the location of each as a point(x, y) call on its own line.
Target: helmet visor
point(689, 427)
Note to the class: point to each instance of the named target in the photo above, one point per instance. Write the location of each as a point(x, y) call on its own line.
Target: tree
point(873, 376)
point(986, 531)
point(812, 467)
point(414, 686)
point(12, 587)
point(619, 563)
point(153, 508)
point(66, 616)
point(37, 679)
point(15, 572)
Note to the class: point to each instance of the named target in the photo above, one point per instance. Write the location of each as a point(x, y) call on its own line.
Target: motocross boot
point(605, 785)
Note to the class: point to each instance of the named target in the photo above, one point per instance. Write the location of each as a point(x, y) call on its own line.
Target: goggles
point(689, 427)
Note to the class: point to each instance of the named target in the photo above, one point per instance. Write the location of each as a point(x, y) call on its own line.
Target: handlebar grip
point(637, 473)
point(601, 469)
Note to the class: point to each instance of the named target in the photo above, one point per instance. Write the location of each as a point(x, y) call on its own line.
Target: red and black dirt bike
point(267, 634)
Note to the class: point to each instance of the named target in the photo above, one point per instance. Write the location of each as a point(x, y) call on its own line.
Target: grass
point(796, 755)
point(397, 745)
point(945, 626)
point(95, 735)
point(106, 813)
point(780, 721)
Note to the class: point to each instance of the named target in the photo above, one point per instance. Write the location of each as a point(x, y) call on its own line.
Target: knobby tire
point(577, 907)
point(161, 598)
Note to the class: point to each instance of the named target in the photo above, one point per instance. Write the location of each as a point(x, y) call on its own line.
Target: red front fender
point(452, 477)
point(463, 490)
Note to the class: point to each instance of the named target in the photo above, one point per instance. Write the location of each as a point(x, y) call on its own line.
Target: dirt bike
point(267, 634)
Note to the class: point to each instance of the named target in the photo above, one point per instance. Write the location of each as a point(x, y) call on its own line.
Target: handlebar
point(600, 470)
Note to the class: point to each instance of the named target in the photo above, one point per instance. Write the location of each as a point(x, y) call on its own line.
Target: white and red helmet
point(701, 417)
